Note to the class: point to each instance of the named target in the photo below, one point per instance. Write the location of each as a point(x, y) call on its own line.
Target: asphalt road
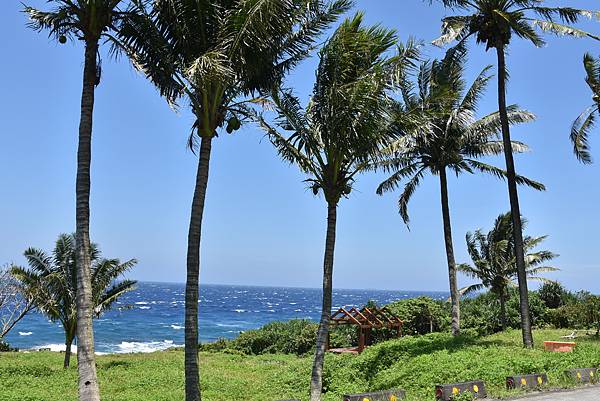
point(585, 394)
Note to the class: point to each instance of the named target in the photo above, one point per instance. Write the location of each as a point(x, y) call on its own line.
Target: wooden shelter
point(365, 319)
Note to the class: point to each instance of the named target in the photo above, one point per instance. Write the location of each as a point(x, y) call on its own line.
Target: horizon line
point(288, 286)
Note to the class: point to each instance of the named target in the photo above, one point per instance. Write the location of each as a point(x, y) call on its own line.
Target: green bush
point(482, 313)
point(553, 294)
point(292, 337)
point(582, 312)
point(421, 315)
point(5, 347)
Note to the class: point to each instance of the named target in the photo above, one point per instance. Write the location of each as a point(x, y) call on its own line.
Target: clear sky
point(262, 225)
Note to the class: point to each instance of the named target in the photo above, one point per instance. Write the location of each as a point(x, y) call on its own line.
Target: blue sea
point(151, 317)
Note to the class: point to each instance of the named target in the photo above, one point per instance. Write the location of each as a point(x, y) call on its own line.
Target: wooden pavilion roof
point(366, 318)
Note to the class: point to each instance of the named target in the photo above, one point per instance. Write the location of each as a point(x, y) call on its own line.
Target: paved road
point(585, 394)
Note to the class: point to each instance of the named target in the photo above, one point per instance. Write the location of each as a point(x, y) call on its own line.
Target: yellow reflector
point(455, 390)
point(476, 388)
point(523, 382)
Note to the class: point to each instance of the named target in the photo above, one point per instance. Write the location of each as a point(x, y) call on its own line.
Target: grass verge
point(415, 364)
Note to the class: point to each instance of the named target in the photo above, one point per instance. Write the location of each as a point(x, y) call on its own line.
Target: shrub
point(553, 294)
point(582, 311)
point(5, 347)
point(291, 337)
point(421, 315)
point(482, 313)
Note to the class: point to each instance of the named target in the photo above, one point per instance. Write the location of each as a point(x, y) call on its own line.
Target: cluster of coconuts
point(233, 124)
point(316, 186)
point(490, 30)
point(62, 39)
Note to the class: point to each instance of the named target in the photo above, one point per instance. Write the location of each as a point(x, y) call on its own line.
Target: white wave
point(176, 327)
point(239, 310)
point(142, 303)
point(25, 333)
point(128, 347)
point(55, 348)
point(144, 307)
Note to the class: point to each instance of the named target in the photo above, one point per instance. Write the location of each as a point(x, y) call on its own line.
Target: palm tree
point(450, 139)
point(494, 263)
point(493, 23)
point(88, 21)
point(341, 129)
point(586, 120)
point(220, 56)
point(15, 302)
point(53, 281)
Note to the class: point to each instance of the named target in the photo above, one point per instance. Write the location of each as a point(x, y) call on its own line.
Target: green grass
point(415, 364)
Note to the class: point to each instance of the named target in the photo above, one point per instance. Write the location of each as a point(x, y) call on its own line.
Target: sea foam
point(129, 347)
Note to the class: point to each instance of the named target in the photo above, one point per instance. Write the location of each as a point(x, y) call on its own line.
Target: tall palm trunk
point(454, 295)
point(316, 379)
point(68, 343)
point(503, 309)
point(86, 360)
point(192, 370)
point(514, 202)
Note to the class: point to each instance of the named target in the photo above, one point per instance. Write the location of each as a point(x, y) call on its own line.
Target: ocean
point(150, 318)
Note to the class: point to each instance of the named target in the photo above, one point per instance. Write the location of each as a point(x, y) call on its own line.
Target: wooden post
point(361, 340)
point(327, 344)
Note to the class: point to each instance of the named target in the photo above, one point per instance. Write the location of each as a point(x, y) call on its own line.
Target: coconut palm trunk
point(454, 295)
point(502, 297)
point(86, 360)
point(514, 201)
point(192, 370)
point(316, 380)
point(68, 344)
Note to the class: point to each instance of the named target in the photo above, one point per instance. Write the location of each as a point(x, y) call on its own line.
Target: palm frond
point(499, 173)
point(580, 131)
point(110, 295)
point(453, 28)
point(409, 189)
point(561, 29)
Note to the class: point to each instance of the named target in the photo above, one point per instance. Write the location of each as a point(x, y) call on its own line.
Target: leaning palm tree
point(220, 56)
point(342, 128)
point(53, 281)
point(494, 263)
point(587, 120)
point(493, 23)
point(88, 21)
point(451, 139)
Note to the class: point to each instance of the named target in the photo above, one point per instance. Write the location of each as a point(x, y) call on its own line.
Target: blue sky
point(262, 225)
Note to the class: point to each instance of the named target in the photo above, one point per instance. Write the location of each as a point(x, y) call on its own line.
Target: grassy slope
point(415, 364)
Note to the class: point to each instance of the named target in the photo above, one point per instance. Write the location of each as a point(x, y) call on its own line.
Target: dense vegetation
point(413, 363)
point(551, 307)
